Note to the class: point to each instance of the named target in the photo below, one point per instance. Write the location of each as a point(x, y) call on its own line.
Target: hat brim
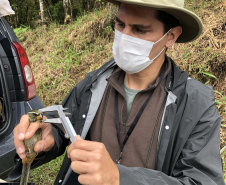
point(191, 24)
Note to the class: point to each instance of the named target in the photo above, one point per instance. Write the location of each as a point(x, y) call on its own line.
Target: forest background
point(66, 39)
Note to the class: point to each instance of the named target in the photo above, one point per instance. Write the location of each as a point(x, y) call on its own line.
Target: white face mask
point(132, 54)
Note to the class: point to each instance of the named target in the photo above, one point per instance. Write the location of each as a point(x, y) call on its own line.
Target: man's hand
point(25, 131)
point(92, 161)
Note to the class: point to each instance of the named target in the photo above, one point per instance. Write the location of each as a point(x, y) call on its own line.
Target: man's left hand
point(92, 161)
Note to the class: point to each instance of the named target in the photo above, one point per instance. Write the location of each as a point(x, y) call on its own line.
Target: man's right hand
point(25, 131)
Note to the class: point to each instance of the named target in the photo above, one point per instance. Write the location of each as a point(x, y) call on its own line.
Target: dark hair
point(168, 20)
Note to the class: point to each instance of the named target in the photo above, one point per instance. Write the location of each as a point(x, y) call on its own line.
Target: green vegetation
point(47, 173)
point(28, 13)
point(20, 31)
point(61, 55)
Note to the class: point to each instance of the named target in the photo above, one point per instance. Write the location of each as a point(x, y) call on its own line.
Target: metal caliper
point(63, 120)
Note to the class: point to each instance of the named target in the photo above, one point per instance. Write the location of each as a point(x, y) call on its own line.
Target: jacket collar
point(176, 76)
point(94, 76)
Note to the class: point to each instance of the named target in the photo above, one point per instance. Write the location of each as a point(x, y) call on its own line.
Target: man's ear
point(173, 35)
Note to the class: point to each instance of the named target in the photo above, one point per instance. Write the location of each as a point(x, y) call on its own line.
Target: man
point(149, 122)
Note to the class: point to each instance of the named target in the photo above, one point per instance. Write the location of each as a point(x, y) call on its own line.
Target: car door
point(17, 94)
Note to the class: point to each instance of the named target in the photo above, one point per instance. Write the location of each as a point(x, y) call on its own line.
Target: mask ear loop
point(163, 48)
point(163, 36)
point(158, 54)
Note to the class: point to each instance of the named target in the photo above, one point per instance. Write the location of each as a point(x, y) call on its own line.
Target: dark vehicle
point(17, 93)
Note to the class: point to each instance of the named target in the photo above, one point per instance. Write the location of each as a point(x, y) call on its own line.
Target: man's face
point(139, 22)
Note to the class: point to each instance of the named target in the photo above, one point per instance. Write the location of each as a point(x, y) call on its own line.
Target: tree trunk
point(70, 9)
point(41, 3)
point(67, 18)
point(47, 7)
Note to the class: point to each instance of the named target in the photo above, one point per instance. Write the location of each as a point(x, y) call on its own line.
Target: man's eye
point(120, 25)
point(138, 30)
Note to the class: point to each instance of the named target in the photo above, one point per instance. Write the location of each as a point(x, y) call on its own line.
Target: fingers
point(84, 145)
point(24, 130)
point(92, 161)
point(21, 128)
point(85, 179)
point(78, 138)
point(44, 145)
point(80, 155)
point(47, 141)
point(19, 134)
point(19, 145)
point(33, 127)
point(80, 167)
point(89, 179)
point(85, 166)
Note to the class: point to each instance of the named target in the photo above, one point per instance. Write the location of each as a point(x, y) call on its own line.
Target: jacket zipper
point(154, 131)
point(124, 128)
point(103, 115)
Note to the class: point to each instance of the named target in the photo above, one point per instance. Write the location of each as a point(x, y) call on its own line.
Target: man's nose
point(127, 31)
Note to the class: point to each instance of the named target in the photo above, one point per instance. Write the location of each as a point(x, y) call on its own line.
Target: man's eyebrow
point(134, 25)
point(118, 20)
point(141, 26)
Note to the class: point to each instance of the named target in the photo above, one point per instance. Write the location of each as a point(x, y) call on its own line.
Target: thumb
point(78, 138)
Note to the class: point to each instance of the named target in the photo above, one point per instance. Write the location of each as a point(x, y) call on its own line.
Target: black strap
point(135, 121)
point(117, 116)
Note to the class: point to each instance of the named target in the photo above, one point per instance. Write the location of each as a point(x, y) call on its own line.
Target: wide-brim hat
point(5, 8)
point(191, 24)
